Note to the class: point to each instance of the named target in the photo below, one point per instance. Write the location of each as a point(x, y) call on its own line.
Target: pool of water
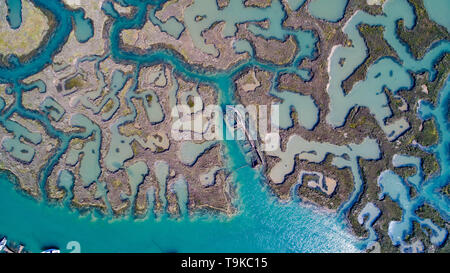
point(328, 10)
point(84, 29)
point(14, 16)
point(438, 11)
point(295, 4)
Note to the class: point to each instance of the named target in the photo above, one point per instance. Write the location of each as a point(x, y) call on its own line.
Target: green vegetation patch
point(424, 33)
point(429, 165)
point(190, 102)
point(429, 134)
point(427, 212)
point(377, 47)
point(446, 190)
point(149, 99)
point(75, 82)
point(108, 106)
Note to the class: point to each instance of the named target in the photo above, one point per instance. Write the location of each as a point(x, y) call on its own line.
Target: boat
point(3, 243)
point(51, 250)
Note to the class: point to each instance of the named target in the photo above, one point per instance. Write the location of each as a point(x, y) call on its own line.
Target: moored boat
point(3, 243)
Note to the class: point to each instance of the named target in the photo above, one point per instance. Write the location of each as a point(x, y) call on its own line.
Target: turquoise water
point(397, 189)
point(367, 217)
point(190, 152)
point(385, 72)
point(180, 188)
point(52, 108)
point(263, 223)
point(161, 169)
point(257, 228)
point(14, 16)
point(264, 226)
point(388, 73)
point(171, 26)
point(295, 4)
point(438, 11)
point(328, 10)
point(308, 112)
point(84, 29)
point(90, 168)
point(346, 156)
point(66, 180)
point(136, 175)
